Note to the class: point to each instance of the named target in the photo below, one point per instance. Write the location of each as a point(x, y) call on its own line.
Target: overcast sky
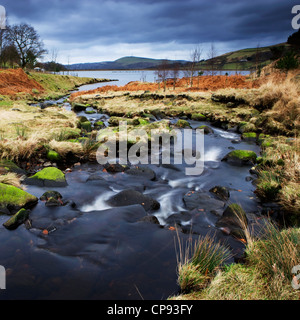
point(104, 30)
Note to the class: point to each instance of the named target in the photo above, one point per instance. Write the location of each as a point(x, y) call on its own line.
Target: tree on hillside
point(27, 43)
point(294, 39)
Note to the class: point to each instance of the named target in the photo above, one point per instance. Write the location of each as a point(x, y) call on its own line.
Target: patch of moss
point(243, 154)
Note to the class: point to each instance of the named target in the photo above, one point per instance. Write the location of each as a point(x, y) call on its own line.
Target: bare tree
point(195, 60)
point(174, 73)
point(162, 72)
point(26, 41)
point(211, 57)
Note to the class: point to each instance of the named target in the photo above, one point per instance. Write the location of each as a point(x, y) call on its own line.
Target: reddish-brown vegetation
point(13, 81)
point(202, 83)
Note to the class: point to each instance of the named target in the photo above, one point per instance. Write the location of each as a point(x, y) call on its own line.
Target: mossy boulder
point(14, 199)
point(246, 127)
point(9, 166)
point(48, 177)
point(53, 156)
point(240, 157)
point(249, 136)
point(206, 129)
point(99, 124)
point(182, 124)
point(17, 219)
point(198, 117)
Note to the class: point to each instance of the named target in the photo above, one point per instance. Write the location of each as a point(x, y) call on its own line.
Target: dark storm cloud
point(149, 21)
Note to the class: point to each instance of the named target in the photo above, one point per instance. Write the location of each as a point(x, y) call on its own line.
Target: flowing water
point(96, 251)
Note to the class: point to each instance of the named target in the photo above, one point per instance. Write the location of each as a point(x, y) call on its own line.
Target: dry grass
point(11, 179)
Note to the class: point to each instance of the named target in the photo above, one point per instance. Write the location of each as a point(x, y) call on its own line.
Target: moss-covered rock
point(86, 126)
point(249, 136)
point(182, 124)
point(13, 198)
point(246, 127)
point(77, 107)
point(53, 156)
point(99, 124)
point(48, 177)
point(206, 129)
point(9, 166)
point(240, 157)
point(17, 219)
point(198, 117)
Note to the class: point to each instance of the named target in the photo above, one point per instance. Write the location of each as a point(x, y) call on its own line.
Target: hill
point(125, 63)
point(246, 59)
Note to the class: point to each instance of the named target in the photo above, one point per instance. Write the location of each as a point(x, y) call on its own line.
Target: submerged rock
point(220, 192)
point(129, 197)
point(202, 200)
point(142, 172)
point(13, 198)
point(48, 177)
point(52, 199)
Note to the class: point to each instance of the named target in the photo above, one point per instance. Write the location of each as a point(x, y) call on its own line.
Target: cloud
point(80, 26)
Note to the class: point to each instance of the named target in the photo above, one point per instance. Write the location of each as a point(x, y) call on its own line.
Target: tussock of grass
point(199, 262)
point(266, 274)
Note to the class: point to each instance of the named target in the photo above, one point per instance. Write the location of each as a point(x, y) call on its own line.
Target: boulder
point(129, 197)
point(48, 177)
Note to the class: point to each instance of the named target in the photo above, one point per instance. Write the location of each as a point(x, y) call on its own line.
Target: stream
point(96, 250)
